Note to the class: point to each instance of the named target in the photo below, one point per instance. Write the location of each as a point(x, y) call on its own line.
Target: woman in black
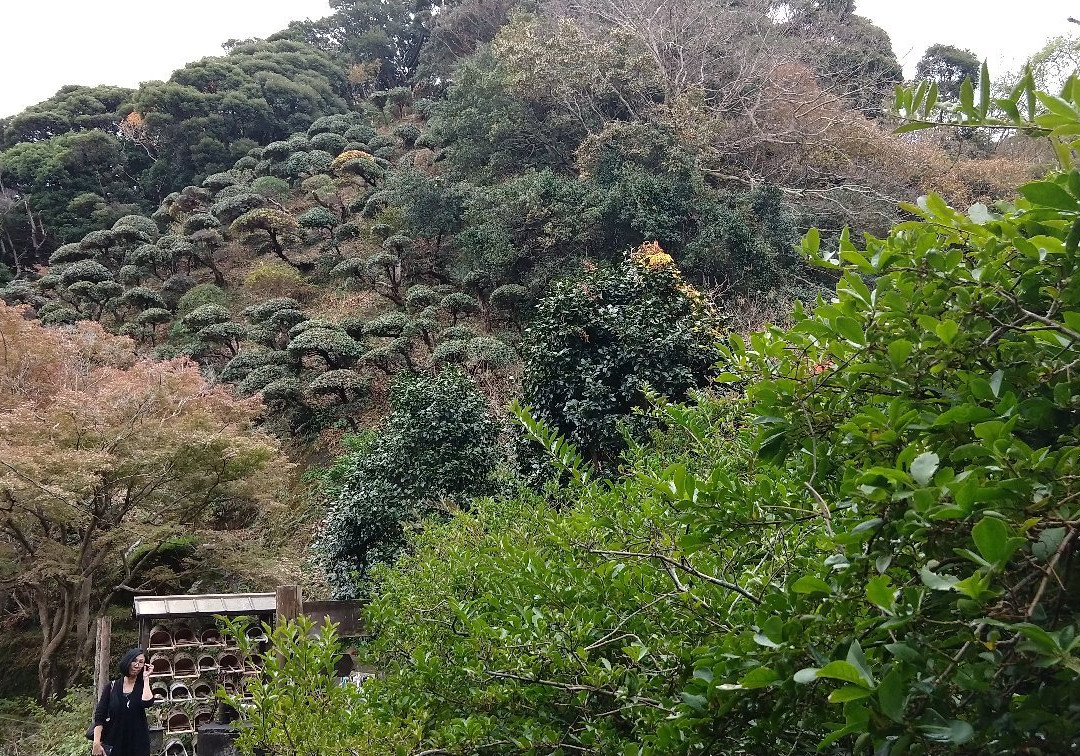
point(120, 716)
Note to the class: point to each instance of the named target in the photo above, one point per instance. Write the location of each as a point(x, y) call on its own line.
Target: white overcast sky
point(45, 44)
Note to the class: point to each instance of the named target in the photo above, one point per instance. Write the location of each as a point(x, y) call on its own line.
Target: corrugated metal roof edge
point(267, 602)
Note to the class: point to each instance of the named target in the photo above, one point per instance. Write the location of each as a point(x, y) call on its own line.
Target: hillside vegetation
point(496, 315)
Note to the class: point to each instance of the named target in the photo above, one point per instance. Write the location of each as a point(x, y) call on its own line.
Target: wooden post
point(102, 653)
point(289, 604)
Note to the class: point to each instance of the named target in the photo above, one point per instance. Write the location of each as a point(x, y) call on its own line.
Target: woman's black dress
point(126, 730)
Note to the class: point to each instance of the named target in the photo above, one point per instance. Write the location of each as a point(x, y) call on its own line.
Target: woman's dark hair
point(126, 660)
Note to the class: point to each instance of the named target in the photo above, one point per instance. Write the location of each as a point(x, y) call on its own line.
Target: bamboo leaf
point(931, 100)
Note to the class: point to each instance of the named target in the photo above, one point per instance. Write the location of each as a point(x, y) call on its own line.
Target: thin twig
point(1062, 547)
point(953, 662)
point(826, 514)
point(684, 566)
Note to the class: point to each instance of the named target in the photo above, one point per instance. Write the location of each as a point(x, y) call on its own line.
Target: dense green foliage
point(874, 551)
point(424, 211)
point(90, 155)
point(26, 727)
point(298, 706)
point(68, 185)
point(896, 572)
point(603, 338)
point(436, 449)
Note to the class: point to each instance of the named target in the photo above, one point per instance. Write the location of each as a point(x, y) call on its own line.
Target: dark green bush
point(329, 142)
point(599, 339)
point(438, 444)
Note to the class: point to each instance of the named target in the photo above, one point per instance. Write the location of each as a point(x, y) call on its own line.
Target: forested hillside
point(629, 358)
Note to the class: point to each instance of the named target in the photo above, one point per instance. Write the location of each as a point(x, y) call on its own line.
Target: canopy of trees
point(948, 66)
point(363, 239)
point(102, 458)
point(438, 446)
point(870, 547)
point(89, 155)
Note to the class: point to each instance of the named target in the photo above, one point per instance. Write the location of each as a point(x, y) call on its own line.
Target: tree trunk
point(219, 278)
point(86, 620)
point(276, 246)
point(485, 314)
point(10, 249)
point(55, 623)
point(82, 616)
point(74, 614)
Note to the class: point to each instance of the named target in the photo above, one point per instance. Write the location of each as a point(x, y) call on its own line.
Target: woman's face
point(137, 665)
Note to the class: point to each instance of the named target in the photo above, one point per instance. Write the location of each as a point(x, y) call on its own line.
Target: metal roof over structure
point(207, 603)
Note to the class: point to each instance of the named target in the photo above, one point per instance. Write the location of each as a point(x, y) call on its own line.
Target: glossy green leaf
point(891, 696)
point(880, 593)
point(807, 675)
point(850, 329)
point(758, 678)
point(947, 330)
point(992, 539)
point(695, 702)
point(995, 382)
point(849, 693)
point(931, 99)
point(1009, 106)
point(903, 652)
point(968, 414)
point(915, 126)
point(842, 670)
point(899, 351)
point(955, 732)
point(967, 97)
point(1049, 194)
point(810, 584)
point(937, 582)
point(984, 90)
